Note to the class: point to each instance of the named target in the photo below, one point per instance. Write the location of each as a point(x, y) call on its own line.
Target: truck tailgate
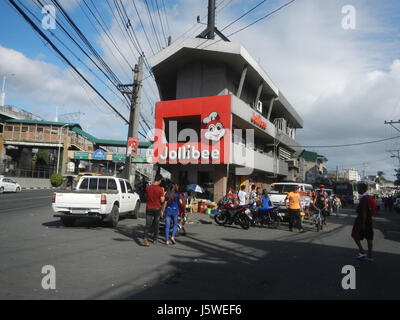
point(80, 200)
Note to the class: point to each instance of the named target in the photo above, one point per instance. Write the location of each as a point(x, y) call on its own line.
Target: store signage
point(131, 149)
point(81, 155)
point(256, 119)
point(99, 155)
point(118, 157)
point(209, 140)
point(189, 153)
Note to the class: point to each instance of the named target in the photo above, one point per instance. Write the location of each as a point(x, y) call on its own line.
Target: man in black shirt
point(320, 202)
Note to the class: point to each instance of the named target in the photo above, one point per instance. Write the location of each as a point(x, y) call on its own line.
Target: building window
point(8, 128)
point(16, 129)
point(24, 129)
point(31, 129)
point(39, 130)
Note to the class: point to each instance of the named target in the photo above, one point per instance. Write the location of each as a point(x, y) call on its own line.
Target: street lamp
point(3, 92)
point(59, 143)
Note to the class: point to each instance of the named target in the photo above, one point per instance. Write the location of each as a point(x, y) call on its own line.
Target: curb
point(40, 188)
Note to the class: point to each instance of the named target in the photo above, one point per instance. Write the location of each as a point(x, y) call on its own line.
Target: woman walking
point(171, 210)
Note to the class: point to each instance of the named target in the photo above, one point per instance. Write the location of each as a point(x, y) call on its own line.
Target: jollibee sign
point(206, 139)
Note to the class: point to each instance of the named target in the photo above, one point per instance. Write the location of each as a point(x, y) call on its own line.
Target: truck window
point(84, 184)
point(93, 183)
point(102, 184)
point(129, 187)
point(122, 183)
point(112, 185)
point(281, 188)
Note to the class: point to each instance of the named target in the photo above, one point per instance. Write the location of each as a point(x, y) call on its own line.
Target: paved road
point(211, 262)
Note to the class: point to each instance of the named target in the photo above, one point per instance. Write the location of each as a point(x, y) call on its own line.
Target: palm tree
point(380, 178)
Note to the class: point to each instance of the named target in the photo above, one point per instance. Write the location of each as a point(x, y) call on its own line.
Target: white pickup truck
point(98, 197)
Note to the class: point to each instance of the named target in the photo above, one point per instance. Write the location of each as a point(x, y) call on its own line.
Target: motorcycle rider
point(320, 201)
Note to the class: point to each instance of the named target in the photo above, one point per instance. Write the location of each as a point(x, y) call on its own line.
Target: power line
point(32, 24)
point(347, 145)
point(262, 18)
point(243, 15)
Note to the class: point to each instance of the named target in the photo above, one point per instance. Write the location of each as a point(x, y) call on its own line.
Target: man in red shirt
point(155, 197)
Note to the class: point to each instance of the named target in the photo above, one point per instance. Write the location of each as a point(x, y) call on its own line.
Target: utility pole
point(130, 168)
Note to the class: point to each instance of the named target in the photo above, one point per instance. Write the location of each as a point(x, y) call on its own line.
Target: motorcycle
point(229, 214)
point(270, 218)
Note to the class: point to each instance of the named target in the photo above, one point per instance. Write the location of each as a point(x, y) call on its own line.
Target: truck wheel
point(113, 217)
point(68, 222)
point(1, 190)
point(135, 212)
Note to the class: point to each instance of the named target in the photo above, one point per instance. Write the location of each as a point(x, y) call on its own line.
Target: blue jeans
point(168, 217)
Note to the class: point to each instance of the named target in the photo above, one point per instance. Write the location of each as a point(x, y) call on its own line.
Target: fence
point(40, 173)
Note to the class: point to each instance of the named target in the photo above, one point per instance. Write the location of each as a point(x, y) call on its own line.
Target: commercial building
point(351, 175)
point(221, 120)
point(37, 148)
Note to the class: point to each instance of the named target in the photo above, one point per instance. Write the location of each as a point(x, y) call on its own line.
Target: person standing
point(155, 198)
point(337, 204)
point(170, 211)
point(362, 228)
point(294, 208)
point(242, 195)
point(253, 197)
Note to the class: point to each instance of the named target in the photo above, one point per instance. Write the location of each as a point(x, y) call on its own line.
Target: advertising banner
point(131, 149)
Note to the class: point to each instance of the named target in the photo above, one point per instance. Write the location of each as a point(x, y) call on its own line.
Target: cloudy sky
point(343, 82)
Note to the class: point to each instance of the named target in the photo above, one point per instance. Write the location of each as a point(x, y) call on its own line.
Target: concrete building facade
point(209, 85)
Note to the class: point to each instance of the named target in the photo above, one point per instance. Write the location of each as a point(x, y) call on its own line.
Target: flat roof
point(185, 50)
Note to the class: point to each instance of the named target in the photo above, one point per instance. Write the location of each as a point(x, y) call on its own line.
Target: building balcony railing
point(250, 158)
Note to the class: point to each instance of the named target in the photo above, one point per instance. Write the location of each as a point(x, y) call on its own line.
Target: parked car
point(9, 185)
point(104, 198)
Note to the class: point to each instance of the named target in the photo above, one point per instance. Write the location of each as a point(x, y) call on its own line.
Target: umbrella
point(195, 188)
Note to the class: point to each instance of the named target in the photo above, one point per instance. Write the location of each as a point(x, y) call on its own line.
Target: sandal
point(173, 241)
point(167, 243)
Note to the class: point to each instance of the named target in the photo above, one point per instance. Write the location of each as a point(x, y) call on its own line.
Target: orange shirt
point(294, 200)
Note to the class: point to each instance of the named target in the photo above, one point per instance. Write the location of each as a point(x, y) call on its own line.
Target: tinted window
point(84, 184)
point(281, 188)
point(93, 183)
point(112, 185)
point(308, 188)
point(122, 183)
point(102, 184)
point(129, 187)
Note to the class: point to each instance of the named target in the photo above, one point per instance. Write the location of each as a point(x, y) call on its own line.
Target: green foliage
point(43, 157)
point(56, 180)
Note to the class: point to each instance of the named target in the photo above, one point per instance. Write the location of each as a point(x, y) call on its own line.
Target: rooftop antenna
point(211, 29)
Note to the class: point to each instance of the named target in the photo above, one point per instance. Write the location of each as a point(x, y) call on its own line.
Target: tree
point(397, 175)
point(380, 177)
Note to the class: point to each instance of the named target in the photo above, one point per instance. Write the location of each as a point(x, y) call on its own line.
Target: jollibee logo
point(215, 129)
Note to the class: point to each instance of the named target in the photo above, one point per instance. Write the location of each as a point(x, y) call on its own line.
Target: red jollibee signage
point(206, 120)
point(258, 121)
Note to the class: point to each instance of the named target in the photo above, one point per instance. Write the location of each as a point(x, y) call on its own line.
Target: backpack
point(372, 206)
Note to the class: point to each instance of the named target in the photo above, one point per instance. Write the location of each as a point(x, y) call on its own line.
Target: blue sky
point(342, 82)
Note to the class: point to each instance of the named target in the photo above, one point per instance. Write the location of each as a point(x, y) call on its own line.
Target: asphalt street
point(210, 262)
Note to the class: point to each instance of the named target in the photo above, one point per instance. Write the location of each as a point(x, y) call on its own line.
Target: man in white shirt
point(242, 196)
